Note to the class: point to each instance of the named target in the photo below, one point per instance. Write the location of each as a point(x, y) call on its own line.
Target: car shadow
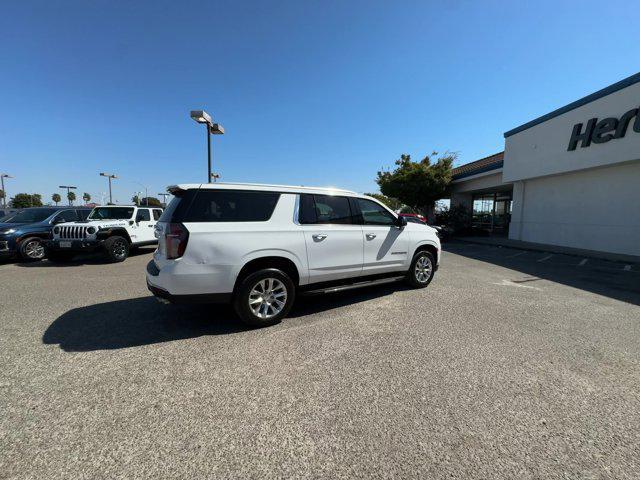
point(600, 278)
point(83, 259)
point(144, 321)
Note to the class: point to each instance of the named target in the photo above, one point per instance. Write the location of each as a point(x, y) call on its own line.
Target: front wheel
point(116, 249)
point(264, 298)
point(32, 249)
point(422, 269)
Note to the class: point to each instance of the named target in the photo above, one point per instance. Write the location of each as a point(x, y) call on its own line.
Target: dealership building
point(570, 178)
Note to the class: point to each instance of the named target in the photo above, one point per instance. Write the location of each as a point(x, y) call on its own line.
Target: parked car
point(412, 217)
point(114, 230)
point(25, 233)
point(259, 246)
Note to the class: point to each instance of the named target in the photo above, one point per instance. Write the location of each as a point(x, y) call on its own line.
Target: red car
point(414, 217)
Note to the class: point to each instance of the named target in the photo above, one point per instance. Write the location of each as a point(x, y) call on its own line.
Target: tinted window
point(325, 209)
point(66, 216)
point(83, 214)
point(156, 214)
point(374, 214)
point(111, 213)
point(32, 215)
point(231, 206)
point(143, 216)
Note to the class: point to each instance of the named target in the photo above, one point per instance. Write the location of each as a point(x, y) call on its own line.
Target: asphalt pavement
point(507, 366)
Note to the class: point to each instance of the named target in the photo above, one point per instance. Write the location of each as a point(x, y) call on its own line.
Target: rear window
point(325, 209)
point(230, 206)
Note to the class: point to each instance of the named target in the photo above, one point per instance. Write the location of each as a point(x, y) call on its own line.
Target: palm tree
point(71, 197)
point(86, 197)
point(56, 198)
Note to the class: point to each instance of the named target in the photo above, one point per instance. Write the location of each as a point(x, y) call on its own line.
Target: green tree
point(56, 198)
point(150, 202)
point(26, 200)
point(71, 197)
point(393, 203)
point(418, 184)
point(135, 199)
point(2, 194)
point(86, 197)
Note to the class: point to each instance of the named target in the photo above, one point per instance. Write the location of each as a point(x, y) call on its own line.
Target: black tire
point(116, 249)
point(32, 249)
point(416, 276)
point(243, 296)
point(60, 257)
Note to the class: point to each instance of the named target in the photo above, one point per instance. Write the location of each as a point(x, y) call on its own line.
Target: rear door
point(385, 244)
point(332, 236)
point(144, 226)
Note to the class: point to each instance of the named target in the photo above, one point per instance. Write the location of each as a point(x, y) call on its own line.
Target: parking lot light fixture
point(200, 116)
point(164, 198)
point(109, 176)
point(69, 188)
point(4, 198)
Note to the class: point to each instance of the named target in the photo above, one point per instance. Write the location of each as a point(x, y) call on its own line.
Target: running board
point(351, 286)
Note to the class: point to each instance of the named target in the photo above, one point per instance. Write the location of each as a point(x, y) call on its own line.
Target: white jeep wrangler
point(259, 246)
point(112, 229)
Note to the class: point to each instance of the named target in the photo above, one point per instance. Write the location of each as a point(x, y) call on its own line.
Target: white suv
point(258, 246)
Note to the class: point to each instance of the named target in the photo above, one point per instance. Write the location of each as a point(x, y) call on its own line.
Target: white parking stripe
point(582, 262)
point(627, 268)
point(544, 259)
point(516, 255)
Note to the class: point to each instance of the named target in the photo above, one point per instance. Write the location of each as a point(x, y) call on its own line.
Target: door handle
point(371, 236)
point(319, 236)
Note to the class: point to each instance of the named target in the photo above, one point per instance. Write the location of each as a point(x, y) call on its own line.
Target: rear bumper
point(153, 278)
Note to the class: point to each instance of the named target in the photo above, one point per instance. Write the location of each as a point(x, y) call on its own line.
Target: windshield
point(31, 215)
point(111, 213)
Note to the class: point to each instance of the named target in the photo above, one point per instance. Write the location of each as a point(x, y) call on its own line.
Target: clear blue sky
point(309, 92)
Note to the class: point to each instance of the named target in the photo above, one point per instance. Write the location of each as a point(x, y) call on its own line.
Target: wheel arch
point(428, 247)
point(119, 231)
point(270, 260)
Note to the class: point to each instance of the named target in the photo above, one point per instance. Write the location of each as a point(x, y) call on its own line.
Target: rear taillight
point(176, 237)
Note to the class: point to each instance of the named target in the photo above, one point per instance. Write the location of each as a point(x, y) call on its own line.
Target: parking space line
point(544, 259)
point(583, 262)
point(516, 255)
point(627, 268)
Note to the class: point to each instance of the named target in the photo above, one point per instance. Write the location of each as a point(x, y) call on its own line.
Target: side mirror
point(131, 222)
point(58, 220)
point(402, 222)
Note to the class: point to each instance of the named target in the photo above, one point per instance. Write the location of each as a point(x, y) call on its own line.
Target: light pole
point(146, 191)
point(109, 176)
point(69, 188)
point(4, 197)
point(164, 198)
point(200, 116)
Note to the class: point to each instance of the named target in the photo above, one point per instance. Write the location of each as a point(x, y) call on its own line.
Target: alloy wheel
point(34, 250)
point(268, 298)
point(423, 269)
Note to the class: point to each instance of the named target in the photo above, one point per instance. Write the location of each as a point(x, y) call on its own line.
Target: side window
point(325, 209)
point(143, 215)
point(231, 206)
point(307, 213)
point(66, 216)
point(156, 214)
point(374, 214)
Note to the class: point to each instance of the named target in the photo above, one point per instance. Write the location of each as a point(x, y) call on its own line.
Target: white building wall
point(596, 209)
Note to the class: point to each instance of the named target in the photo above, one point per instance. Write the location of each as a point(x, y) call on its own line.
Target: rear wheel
point(422, 269)
point(265, 297)
point(116, 249)
point(60, 257)
point(32, 249)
